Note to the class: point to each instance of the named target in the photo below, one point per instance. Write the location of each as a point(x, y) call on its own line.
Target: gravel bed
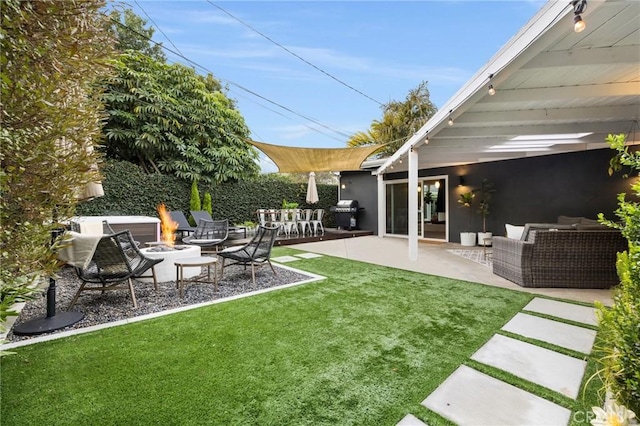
point(116, 305)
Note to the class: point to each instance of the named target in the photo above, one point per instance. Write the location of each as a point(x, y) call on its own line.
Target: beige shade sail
point(303, 160)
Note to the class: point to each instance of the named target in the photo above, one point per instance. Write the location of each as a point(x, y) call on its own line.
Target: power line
point(195, 64)
point(156, 25)
point(295, 54)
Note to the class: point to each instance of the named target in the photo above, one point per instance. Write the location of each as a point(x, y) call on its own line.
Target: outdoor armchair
point(108, 230)
point(209, 234)
point(256, 252)
point(115, 260)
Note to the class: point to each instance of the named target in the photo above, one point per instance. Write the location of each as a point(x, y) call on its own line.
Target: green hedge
point(130, 191)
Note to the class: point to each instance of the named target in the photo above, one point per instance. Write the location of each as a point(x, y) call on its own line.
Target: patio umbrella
point(312, 189)
point(92, 189)
point(57, 320)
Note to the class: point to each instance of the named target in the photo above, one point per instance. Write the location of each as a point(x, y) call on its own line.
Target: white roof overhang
point(549, 80)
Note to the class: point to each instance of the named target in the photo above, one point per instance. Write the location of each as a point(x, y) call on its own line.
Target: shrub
point(130, 191)
point(52, 52)
point(206, 203)
point(194, 203)
point(620, 324)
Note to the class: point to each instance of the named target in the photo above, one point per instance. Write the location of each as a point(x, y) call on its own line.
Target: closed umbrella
point(57, 320)
point(312, 189)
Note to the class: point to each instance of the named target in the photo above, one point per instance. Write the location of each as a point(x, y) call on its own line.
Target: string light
point(578, 24)
point(492, 90)
point(450, 119)
point(579, 6)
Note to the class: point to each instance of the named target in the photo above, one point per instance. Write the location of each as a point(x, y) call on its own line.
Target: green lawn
point(363, 347)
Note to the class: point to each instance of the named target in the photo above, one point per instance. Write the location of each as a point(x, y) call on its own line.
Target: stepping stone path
point(286, 259)
point(557, 333)
point(468, 396)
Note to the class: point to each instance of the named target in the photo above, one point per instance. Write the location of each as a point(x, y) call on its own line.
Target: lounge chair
point(184, 227)
point(116, 260)
point(255, 252)
point(201, 214)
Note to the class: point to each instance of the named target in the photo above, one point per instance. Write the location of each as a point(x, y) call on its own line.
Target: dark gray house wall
point(363, 187)
point(534, 189)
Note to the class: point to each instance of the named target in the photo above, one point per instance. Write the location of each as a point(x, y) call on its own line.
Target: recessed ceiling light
point(530, 144)
point(502, 148)
point(550, 137)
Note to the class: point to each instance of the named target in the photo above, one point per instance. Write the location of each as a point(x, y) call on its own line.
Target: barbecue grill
point(346, 214)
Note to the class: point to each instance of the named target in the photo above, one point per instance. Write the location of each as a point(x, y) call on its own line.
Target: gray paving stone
point(544, 367)
point(410, 420)
point(569, 311)
point(469, 397)
point(565, 335)
point(285, 259)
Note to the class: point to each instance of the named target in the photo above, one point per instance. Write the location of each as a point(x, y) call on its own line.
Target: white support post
point(382, 210)
point(413, 204)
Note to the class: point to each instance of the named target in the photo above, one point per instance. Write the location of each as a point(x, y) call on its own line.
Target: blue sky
point(382, 49)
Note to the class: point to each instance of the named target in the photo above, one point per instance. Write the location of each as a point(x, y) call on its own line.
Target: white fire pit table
point(166, 270)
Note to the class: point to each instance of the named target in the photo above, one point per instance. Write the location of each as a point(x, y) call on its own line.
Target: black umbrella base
point(47, 324)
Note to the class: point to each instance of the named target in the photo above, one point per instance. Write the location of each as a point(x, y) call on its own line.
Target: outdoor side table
point(486, 242)
point(196, 262)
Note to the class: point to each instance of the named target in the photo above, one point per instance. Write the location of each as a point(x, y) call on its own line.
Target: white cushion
point(514, 231)
point(197, 241)
point(91, 227)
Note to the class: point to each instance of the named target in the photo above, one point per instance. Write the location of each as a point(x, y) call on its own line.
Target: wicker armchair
point(115, 260)
point(255, 252)
point(560, 258)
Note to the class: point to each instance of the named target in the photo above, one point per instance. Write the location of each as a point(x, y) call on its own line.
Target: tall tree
point(131, 33)
point(51, 53)
point(399, 121)
point(164, 118)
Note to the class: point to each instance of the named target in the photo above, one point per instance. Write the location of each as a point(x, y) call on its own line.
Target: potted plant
point(467, 238)
point(484, 199)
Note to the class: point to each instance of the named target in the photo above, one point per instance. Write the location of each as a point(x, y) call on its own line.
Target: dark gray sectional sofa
point(573, 255)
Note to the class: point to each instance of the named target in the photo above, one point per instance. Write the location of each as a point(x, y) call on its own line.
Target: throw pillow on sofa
point(514, 231)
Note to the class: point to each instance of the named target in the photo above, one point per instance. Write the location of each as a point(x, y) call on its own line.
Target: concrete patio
point(433, 258)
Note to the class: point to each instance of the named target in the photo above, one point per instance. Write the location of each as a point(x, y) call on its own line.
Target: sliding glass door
point(432, 208)
point(397, 209)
